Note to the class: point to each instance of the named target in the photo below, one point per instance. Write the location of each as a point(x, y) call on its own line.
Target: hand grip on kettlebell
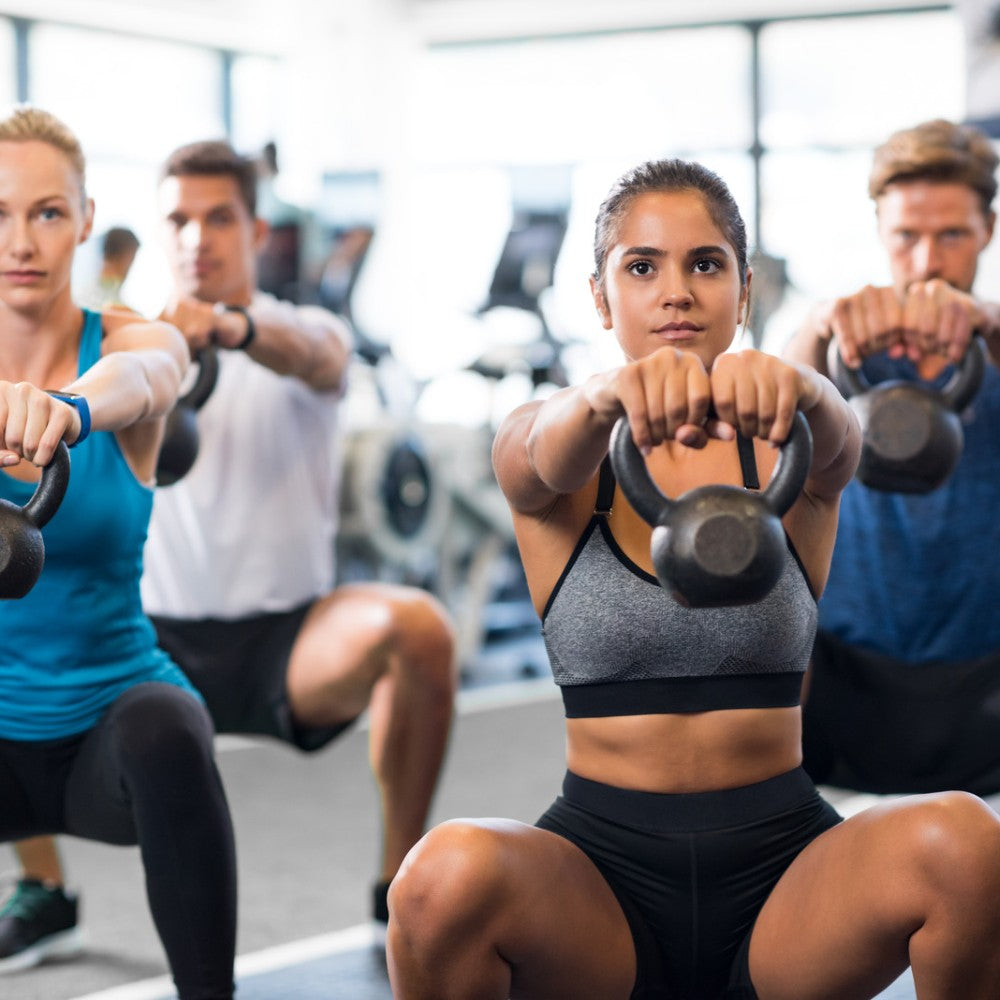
point(716, 545)
point(22, 551)
point(180, 436)
point(912, 434)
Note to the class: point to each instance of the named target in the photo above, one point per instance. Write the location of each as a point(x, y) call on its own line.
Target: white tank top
point(251, 527)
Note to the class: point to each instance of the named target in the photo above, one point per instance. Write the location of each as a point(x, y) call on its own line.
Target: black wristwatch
point(251, 329)
point(80, 404)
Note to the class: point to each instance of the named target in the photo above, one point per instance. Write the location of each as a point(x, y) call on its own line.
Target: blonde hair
point(938, 151)
point(29, 124)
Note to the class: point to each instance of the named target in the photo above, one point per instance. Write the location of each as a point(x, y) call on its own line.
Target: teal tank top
point(79, 638)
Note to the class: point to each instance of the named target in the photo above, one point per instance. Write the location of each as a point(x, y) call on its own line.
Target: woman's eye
point(707, 266)
point(50, 213)
point(641, 267)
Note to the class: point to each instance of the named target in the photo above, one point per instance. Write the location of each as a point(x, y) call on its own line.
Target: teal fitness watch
point(81, 406)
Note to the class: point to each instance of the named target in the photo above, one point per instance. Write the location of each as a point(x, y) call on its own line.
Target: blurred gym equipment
point(420, 503)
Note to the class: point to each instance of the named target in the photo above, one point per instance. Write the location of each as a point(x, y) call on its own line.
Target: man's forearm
point(809, 344)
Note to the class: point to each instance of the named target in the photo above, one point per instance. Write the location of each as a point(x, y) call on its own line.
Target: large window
point(831, 89)
point(8, 63)
point(142, 97)
point(849, 81)
point(628, 96)
point(131, 100)
point(257, 101)
point(787, 110)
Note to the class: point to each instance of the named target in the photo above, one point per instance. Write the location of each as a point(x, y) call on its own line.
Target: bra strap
point(605, 489)
point(748, 462)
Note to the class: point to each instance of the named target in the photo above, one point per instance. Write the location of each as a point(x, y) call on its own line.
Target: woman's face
point(42, 221)
point(670, 278)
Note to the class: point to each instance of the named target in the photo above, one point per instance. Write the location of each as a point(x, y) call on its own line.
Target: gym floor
point(307, 842)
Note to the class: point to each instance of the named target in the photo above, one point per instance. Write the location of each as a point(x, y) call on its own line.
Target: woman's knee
point(163, 728)
point(448, 882)
point(955, 839)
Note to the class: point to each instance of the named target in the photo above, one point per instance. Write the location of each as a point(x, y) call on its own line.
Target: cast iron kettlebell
point(716, 545)
point(22, 552)
point(912, 432)
point(180, 438)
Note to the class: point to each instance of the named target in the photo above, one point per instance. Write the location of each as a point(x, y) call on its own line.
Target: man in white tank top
point(239, 562)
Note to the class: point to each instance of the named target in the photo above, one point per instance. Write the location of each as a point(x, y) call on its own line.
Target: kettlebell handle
point(208, 374)
point(964, 384)
point(51, 488)
point(956, 394)
point(655, 507)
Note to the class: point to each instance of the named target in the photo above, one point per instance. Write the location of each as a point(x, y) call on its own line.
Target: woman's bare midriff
point(696, 752)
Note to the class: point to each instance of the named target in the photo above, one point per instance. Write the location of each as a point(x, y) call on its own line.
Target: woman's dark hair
point(670, 175)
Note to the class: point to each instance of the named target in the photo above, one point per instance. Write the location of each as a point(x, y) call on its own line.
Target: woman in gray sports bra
point(689, 856)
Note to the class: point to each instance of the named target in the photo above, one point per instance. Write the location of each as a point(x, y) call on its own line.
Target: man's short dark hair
point(215, 158)
point(119, 241)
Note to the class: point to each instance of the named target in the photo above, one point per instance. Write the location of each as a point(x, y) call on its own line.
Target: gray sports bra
point(621, 645)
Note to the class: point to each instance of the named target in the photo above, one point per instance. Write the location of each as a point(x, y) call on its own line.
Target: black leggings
point(146, 775)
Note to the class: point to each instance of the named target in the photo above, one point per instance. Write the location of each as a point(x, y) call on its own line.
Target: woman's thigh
point(509, 905)
point(842, 919)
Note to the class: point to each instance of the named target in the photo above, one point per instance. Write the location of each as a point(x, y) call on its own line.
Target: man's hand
point(866, 322)
point(939, 319)
point(205, 323)
point(195, 319)
point(932, 317)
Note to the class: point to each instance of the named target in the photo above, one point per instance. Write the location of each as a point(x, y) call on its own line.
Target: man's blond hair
point(939, 151)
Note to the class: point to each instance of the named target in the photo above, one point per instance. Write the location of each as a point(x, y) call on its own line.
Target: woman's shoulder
point(123, 329)
point(113, 318)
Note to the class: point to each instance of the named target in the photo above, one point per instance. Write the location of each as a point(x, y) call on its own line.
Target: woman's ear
point(88, 221)
point(743, 315)
point(600, 302)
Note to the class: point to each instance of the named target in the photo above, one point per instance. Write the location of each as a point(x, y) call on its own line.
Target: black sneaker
point(37, 923)
point(380, 913)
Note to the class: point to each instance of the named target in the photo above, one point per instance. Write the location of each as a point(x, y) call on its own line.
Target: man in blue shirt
point(904, 691)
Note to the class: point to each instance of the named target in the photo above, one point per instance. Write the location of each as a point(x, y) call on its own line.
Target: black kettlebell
point(716, 545)
point(912, 432)
point(180, 438)
point(22, 551)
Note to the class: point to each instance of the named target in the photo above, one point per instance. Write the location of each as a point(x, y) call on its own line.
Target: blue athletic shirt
point(917, 577)
point(79, 638)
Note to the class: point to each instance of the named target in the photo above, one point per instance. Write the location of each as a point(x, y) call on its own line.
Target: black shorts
point(691, 872)
point(875, 724)
point(241, 669)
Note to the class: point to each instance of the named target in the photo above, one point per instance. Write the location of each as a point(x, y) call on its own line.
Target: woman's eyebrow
point(643, 252)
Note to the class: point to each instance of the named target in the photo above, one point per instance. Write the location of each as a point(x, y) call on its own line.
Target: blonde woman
point(101, 736)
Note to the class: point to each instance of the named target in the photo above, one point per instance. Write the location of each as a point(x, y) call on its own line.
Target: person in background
point(118, 249)
point(101, 735)
point(904, 688)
